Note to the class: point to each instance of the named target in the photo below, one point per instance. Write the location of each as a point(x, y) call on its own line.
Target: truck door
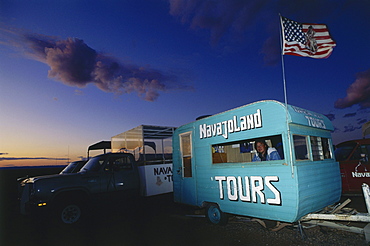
point(357, 168)
point(120, 174)
point(354, 163)
point(186, 173)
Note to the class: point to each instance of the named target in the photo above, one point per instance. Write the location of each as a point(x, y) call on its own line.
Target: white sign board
point(156, 179)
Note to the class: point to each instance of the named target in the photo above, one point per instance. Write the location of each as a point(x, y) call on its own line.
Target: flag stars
point(293, 31)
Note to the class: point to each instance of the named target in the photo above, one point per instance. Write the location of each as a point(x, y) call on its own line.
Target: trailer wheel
point(215, 215)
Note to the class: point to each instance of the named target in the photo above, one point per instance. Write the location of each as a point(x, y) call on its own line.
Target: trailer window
point(245, 150)
point(300, 147)
point(320, 148)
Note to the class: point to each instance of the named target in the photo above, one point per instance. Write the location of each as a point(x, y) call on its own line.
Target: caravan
point(266, 160)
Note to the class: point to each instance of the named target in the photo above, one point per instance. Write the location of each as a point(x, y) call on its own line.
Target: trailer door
point(187, 179)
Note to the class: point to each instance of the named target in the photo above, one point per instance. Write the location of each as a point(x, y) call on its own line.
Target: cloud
point(220, 17)
point(349, 115)
point(74, 63)
point(351, 128)
point(361, 121)
point(78, 92)
point(357, 93)
point(230, 20)
point(330, 116)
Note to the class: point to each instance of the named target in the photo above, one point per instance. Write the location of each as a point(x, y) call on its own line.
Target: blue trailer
point(215, 164)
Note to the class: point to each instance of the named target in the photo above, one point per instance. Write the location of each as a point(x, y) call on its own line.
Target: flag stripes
point(305, 39)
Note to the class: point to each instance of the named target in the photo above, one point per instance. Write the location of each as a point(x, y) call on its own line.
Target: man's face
point(261, 148)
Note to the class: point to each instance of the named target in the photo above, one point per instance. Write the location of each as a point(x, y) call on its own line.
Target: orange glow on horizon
point(33, 162)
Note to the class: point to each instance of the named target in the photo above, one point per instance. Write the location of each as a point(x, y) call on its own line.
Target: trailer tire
point(215, 215)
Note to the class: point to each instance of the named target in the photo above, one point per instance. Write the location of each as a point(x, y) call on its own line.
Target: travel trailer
point(217, 166)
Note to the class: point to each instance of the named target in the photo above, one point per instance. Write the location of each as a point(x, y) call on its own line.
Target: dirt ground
point(153, 221)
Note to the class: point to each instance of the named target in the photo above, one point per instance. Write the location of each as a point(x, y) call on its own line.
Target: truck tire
point(69, 212)
point(215, 215)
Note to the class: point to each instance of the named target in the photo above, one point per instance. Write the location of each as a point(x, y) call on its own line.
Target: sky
point(73, 72)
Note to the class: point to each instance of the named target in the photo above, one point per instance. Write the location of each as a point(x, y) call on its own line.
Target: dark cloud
point(3, 153)
point(357, 93)
point(232, 20)
point(351, 128)
point(361, 121)
point(74, 63)
point(220, 17)
point(336, 129)
point(331, 117)
point(349, 115)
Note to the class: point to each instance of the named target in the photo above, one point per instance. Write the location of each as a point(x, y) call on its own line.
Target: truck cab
point(67, 195)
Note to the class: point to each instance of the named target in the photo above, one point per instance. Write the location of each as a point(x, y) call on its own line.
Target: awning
point(104, 145)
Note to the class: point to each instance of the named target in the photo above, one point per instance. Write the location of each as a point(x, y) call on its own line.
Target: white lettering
point(219, 128)
point(257, 188)
point(236, 127)
point(275, 200)
point(247, 196)
point(232, 193)
point(220, 179)
point(230, 126)
point(224, 128)
point(209, 132)
point(315, 122)
point(257, 119)
point(250, 122)
point(203, 131)
point(214, 130)
point(243, 123)
point(360, 175)
point(249, 190)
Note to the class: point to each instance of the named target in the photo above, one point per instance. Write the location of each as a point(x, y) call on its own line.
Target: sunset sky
point(76, 72)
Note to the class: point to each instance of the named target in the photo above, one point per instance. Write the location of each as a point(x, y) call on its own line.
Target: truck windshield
point(93, 165)
point(73, 167)
point(343, 151)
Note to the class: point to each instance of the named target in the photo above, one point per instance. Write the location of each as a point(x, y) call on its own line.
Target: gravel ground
point(155, 221)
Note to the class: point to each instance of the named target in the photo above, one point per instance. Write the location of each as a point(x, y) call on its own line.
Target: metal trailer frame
point(339, 213)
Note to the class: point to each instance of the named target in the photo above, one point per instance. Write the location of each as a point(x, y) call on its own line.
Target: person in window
point(265, 153)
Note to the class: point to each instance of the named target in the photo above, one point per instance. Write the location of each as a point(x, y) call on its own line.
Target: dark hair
point(260, 141)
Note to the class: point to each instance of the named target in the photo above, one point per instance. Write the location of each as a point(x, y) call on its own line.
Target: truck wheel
point(215, 215)
point(68, 213)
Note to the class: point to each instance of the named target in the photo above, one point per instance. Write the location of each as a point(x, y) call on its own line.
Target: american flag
point(303, 39)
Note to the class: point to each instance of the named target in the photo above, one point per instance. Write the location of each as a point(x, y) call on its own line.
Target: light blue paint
point(303, 186)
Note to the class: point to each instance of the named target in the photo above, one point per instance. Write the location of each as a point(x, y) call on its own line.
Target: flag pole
point(282, 59)
point(285, 95)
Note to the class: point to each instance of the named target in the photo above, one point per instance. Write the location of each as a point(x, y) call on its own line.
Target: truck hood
point(48, 177)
